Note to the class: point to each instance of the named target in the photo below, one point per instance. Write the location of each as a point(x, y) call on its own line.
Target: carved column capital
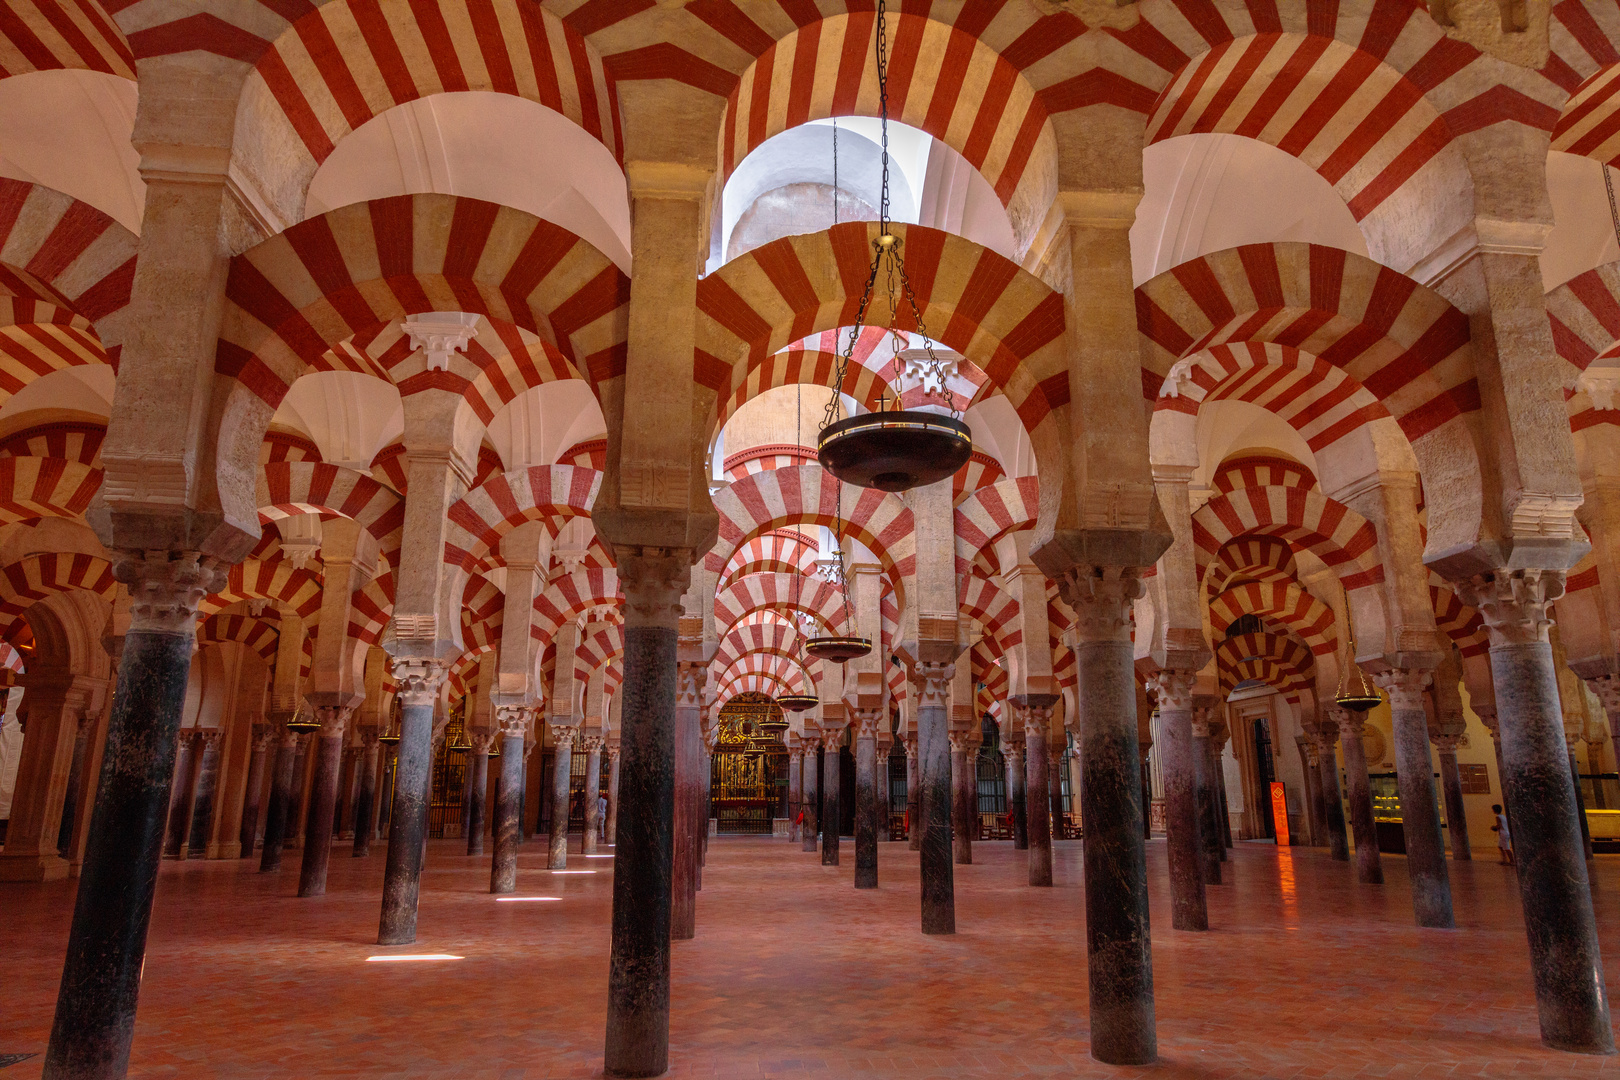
point(166, 587)
point(333, 719)
point(1102, 597)
point(1175, 690)
point(866, 723)
point(689, 680)
point(1012, 754)
point(592, 742)
point(933, 681)
point(417, 679)
point(795, 754)
point(563, 733)
point(1037, 721)
point(653, 580)
point(1351, 723)
point(513, 720)
point(1404, 686)
point(264, 736)
point(832, 740)
point(1607, 689)
point(210, 737)
point(1514, 603)
point(1448, 744)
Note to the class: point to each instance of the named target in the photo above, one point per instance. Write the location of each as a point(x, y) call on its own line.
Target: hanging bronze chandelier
point(303, 721)
point(891, 449)
point(838, 649)
point(798, 703)
point(1355, 693)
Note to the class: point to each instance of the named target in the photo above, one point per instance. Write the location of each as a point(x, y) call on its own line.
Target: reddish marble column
point(964, 796)
point(811, 783)
point(1327, 737)
point(365, 801)
point(1188, 835)
point(593, 792)
point(1420, 816)
point(1369, 868)
point(203, 792)
point(688, 808)
point(478, 790)
point(278, 812)
point(795, 793)
point(174, 840)
point(1037, 714)
point(866, 832)
point(613, 795)
point(831, 741)
point(417, 680)
point(263, 741)
point(1012, 756)
point(512, 723)
point(562, 769)
point(932, 682)
point(323, 799)
point(1210, 802)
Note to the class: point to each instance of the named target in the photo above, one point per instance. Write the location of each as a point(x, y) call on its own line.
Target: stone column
point(795, 788)
point(95, 1007)
point(637, 1041)
point(279, 810)
point(831, 740)
point(562, 769)
point(932, 681)
point(478, 793)
point(1119, 946)
point(365, 803)
point(263, 741)
point(1420, 818)
point(811, 784)
point(513, 723)
point(866, 841)
point(1557, 901)
point(1054, 782)
point(1012, 758)
point(880, 777)
point(1037, 717)
point(1570, 739)
point(593, 791)
point(202, 794)
point(75, 783)
point(1187, 836)
point(689, 822)
point(298, 796)
point(1451, 786)
point(613, 795)
point(174, 839)
point(417, 681)
point(1223, 815)
point(53, 703)
point(322, 799)
point(1327, 736)
point(964, 795)
point(1369, 868)
point(1306, 745)
point(1208, 803)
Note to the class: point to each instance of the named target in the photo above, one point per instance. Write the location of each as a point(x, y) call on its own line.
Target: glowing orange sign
point(1279, 812)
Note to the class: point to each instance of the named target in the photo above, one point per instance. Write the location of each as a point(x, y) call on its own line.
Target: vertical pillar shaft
point(1313, 791)
point(1037, 802)
point(75, 783)
point(262, 743)
point(866, 826)
point(933, 682)
point(1012, 755)
point(202, 795)
point(688, 800)
point(1206, 799)
point(830, 741)
point(811, 777)
point(1420, 815)
point(913, 796)
point(478, 765)
point(1369, 867)
point(280, 804)
point(95, 1006)
point(365, 803)
point(322, 801)
point(174, 840)
point(1186, 831)
point(613, 796)
point(795, 792)
point(1451, 788)
point(562, 769)
point(513, 721)
point(418, 682)
point(964, 797)
point(298, 794)
point(593, 792)
point(1580, 798)
point(1332, 802)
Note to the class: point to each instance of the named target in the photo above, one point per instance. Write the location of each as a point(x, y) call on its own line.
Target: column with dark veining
point(593, 792)
point(562, 770)
point(811, 783)
point(278, 810)
point(1327, 737)
point(932, 681)
point(1420, 814)
point(83, 726)
point(179, 816)
point(1352, 725)
point(1451, 787)
point(211, 741)
point(260, 761)
point(866, 808)
point(417, 681)
point(323, 799)
point(94, 1023)
point(613, 794)
point(512, 723)
point(795, 792)
point(964, 795)
point(1037, 718)
point(1555, 893)
point(832, 740)
point(685, 850)
point(478, 789)
point(1188, 830)
point(1012, 756)
point(365, 801)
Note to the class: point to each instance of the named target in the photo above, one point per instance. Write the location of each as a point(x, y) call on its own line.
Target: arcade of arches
point(409, 494)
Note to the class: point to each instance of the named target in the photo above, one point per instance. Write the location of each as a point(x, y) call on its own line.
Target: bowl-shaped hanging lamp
point(389, 737)
point(838, 649)
point(797, 703)
point(895, 451)
point(1356, 693)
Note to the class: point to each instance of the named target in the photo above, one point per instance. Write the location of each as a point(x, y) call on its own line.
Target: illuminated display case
point(1386, 800)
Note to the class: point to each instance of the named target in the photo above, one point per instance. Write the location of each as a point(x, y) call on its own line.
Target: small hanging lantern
point(389, 737)
point(303, 722)
point(1355, 693)
point(899, 449)
point(798, 703)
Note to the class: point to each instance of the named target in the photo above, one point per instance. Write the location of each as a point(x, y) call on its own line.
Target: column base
point(21, 867)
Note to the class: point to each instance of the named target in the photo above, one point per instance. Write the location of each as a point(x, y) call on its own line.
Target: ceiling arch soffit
point(29, 580)
point(782, 593)
point(1584, 61)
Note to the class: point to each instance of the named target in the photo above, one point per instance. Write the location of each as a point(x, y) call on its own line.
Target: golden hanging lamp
point(1356, 693)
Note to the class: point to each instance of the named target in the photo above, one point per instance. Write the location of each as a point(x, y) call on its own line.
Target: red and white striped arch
point(32, 579)
point(293, 297)
point(344, 63)
point(1405, 344)
point(991, 682)
point(942, 79)
point(37, 338)
point(1002, 318)
point(1284, 604)
point(598, 648)
point(1585, 63)
point(811, 360)
point(70, 440)
point(566, 597)
point(992, 512)
point(1336, 534)
point(371, 607)
point(39, 487)
point(781, 551)
point(809, 495)
point(289, 488)
point(780, 593)
point(982, 470)
point(995, 611)
point(46, 35)
point(766, 673)
point(251, 579)
point(64, 253)
point(549, 493)
point(1261, 470)
point(1460, 622)
point(1585, 316)
point(1273, 658)
point(1251, 558)
point(764, 458)
point(771, 638)
point(482, 606)
point(257, 632)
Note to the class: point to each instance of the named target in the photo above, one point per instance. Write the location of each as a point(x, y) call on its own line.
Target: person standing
point(1504, 841)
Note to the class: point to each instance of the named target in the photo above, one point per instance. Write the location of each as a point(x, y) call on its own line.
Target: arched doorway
point(748, 784)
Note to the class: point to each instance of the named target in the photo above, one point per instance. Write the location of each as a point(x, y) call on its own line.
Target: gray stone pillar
point(613, 795)
point(932, 682)
point(1420, 815)
point(831, 741)
point(512, 723)
point(203, 792)
point(1209, 800)
point(75, 784)
point(1306, 745)
point(562, 769)
point(811, 783)
point(795, 792)
point(1037, 716)
point(1451, 787)
point(1188, 834)
point(964, 796)
point(866, 808)
point(263, 740)
point(1369, 867)
point(174, 840)
point(417, 681)
point(593, 792)
point(1012, 758)
point(323, 799)
point(478, 790)
point(1327, 737)
point(365, 799)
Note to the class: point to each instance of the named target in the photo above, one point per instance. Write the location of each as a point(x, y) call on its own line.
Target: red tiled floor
point(794, 973)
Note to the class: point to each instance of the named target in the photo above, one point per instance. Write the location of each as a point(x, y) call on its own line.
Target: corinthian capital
point(165, 587)
point(933, 683)
point(1514, 603)
point(417, 679)
point(653, 580)
point(513, 720)
point(866, 723)
point(1101, 597)
point(1404, 686)
point(1175, 690)
point(689, 680)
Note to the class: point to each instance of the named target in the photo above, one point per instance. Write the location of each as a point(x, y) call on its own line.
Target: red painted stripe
point(667, 61)
point(731, 23)
point(802, 77)
point(759, 103)
point(594, 15)
point(1347, 79)
point(905, 46)
point(1204, 289)
point(859, 31)
point(492, 46)
point(1282, 87)
point(1150, 42)
point(1206, 19)
point(948, 85)
point(440, 46)
point(545, 67)
point(1207, 66)
point(79, 227)
point(1044, 37)
point(1572, 117)
point(290, 96)
point(379, 37)
point(1322, 18)
point(1378, 122)
point(334, 70)
point(1254, 52)
point(1585, 30)
point(75, 38)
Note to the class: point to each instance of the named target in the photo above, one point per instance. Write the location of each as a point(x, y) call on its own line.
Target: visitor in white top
point(1504, 842)
point(601, 817)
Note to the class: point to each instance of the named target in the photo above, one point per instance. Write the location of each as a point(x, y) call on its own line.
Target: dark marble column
point(1327, 737)
point(1369, 868)
point(1012, 757)
point(880, 783)
point(1037, 715)
point(795, 793)
point(1565, 959)
point(1306, 745)
point(323, 793)
point(478, 796)
point(964, 796)
point(211, 741)
point(1188, 830)
point(593, 792)
point(417, 681)
point(866, 833)
point(75, 785)
point(1208, 803)
point(1451, 787)
point(279, 809)
point(1420, 814)
point(1223, 816)
point(258, 764)
point(932, 682)
point(513, 722)
point(1580, 796)
point(179, 816)
point(831, 740)
point(1143, 751)
point(1054, 787)
point(298, 794)
point(1119, 948)
point(562, 768)
point(613, 795)
point(365, 801)
point(95, 1006)
point(811, 794)
point(683, 883)
point(637, 1042)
